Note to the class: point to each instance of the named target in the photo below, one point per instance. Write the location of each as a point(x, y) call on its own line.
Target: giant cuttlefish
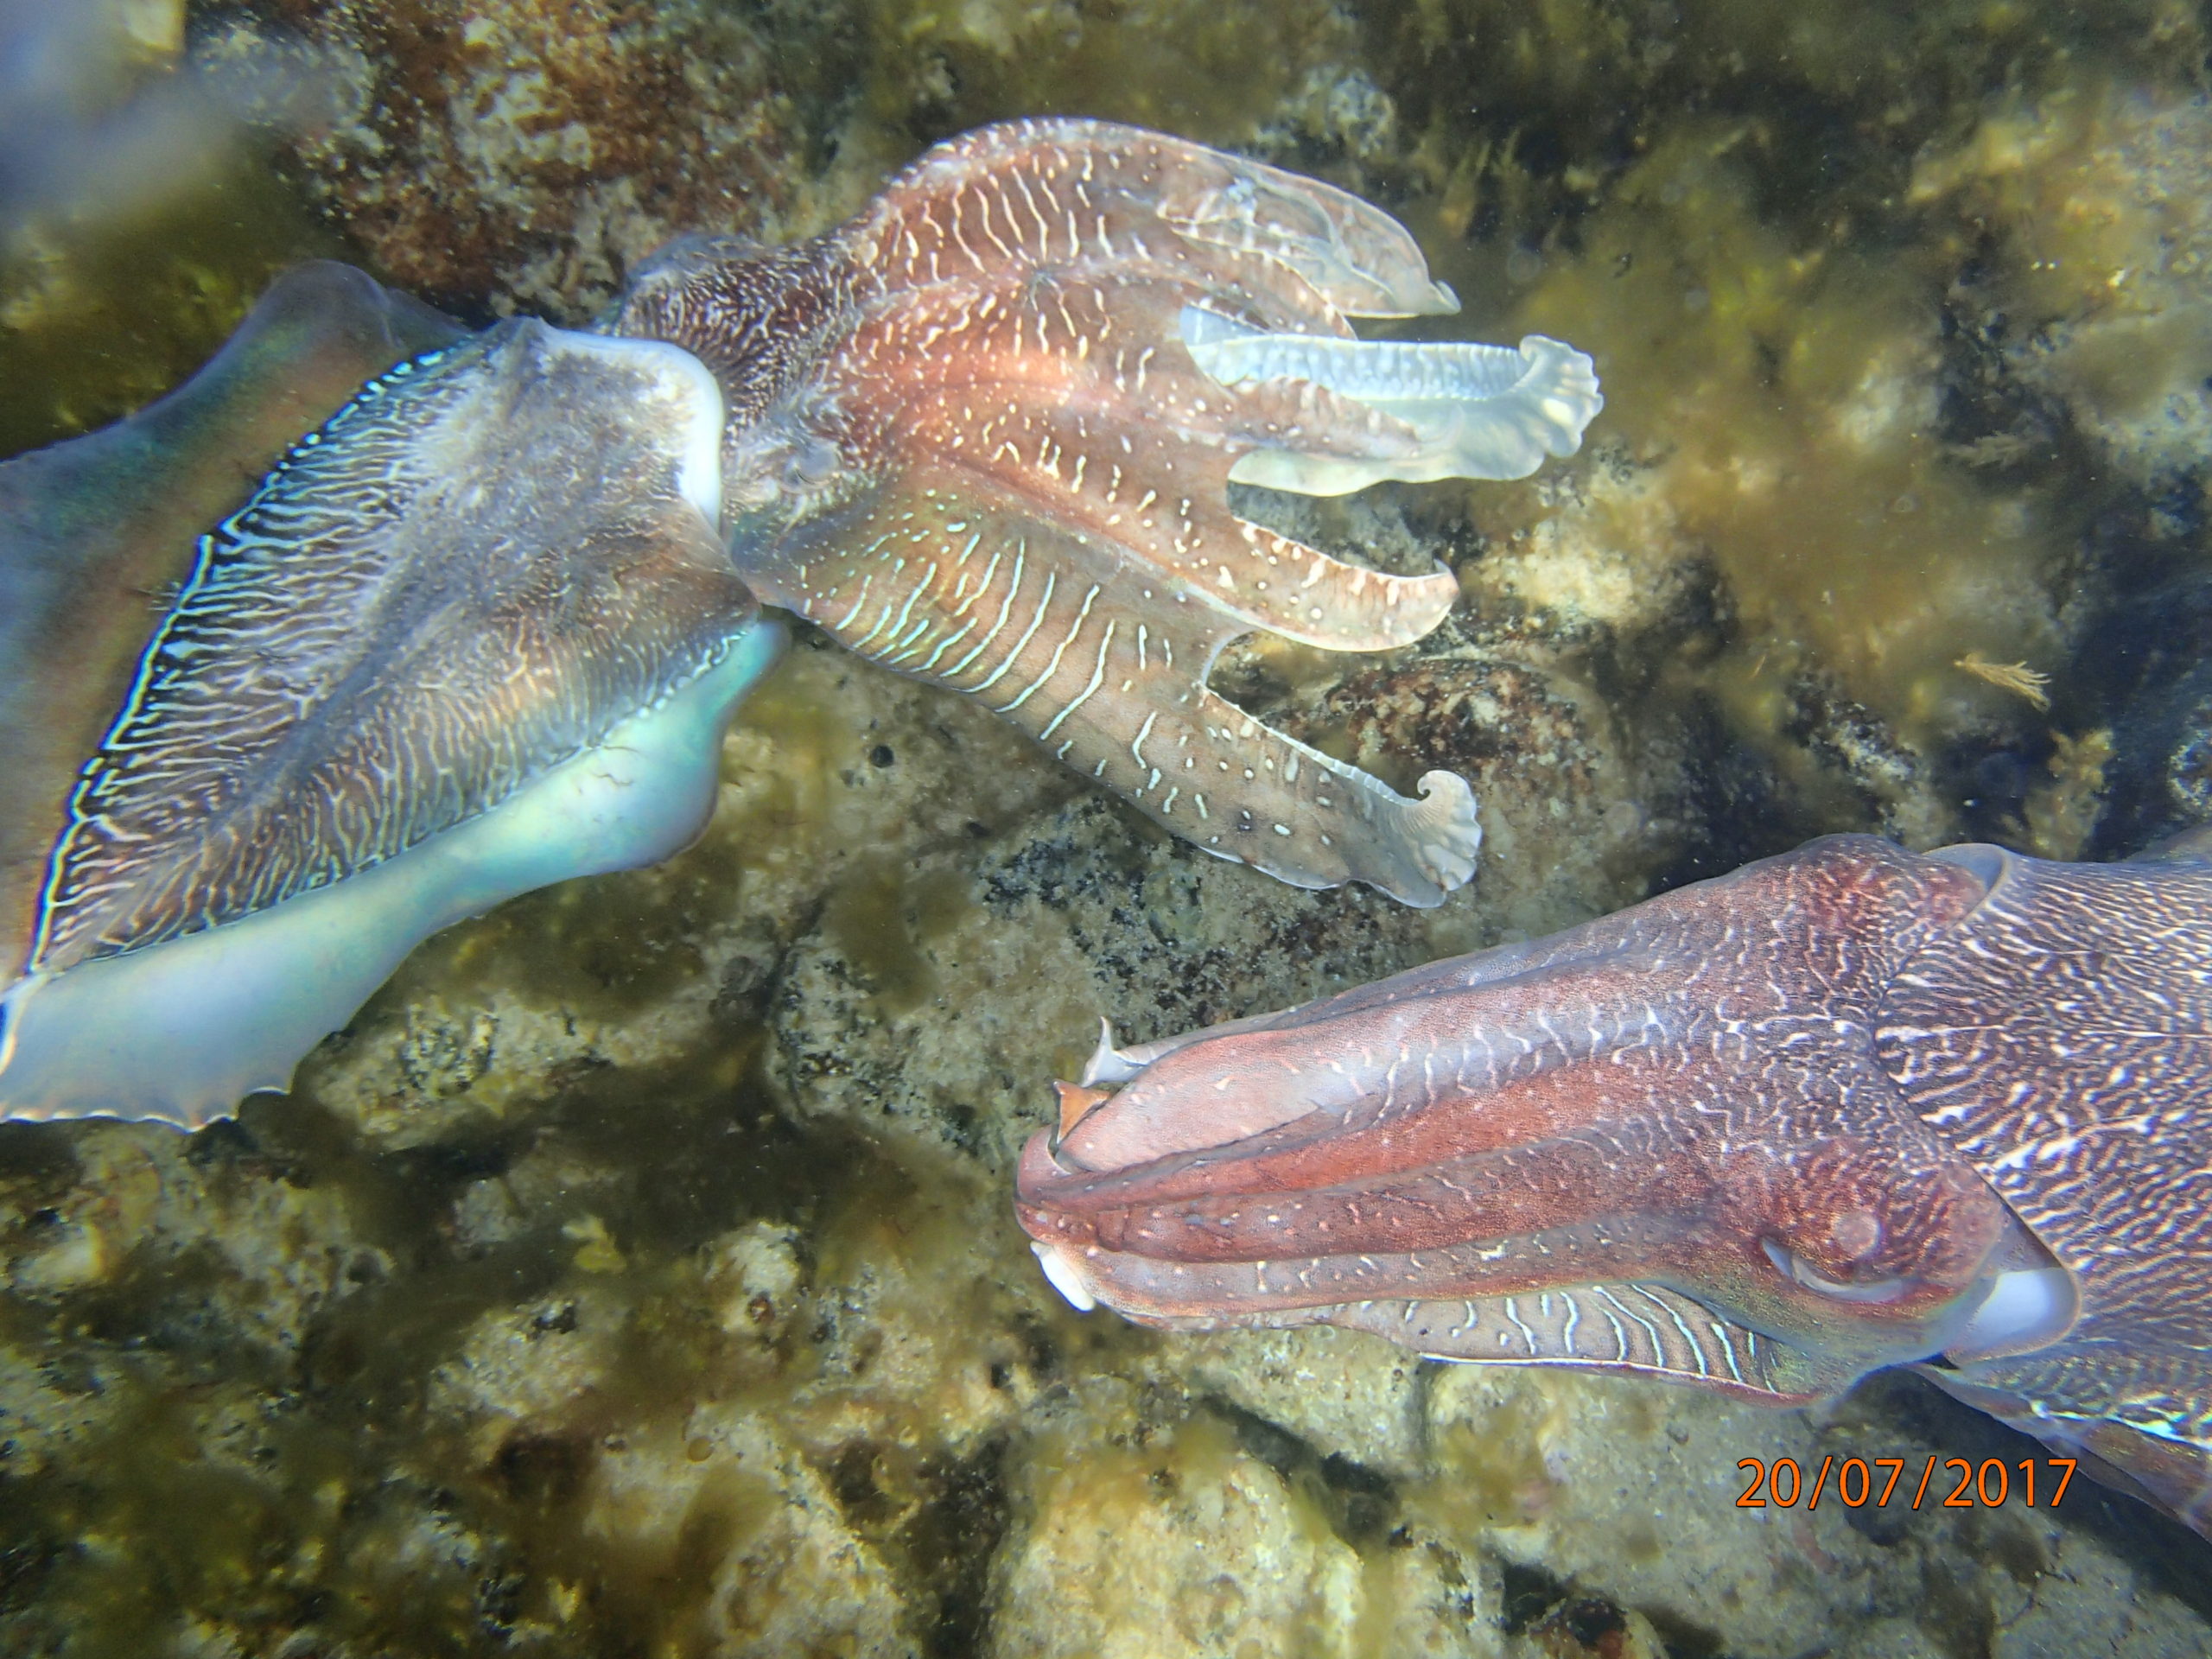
point(1844, 1109)
point(481, 621)
point(984, 435)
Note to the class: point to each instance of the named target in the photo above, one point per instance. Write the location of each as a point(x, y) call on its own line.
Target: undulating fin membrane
point(1003, 469)
point(2137, 1416)
point(96, 534)
point(494, 558)
point(1642, 1330)
point(484, 561)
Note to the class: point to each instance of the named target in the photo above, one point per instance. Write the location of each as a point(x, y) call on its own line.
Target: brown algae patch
point(1113, 1527)
point(1211, 72)
point(883, 920)
point(99, 317)
point(1786, 398)
point(635, 1435)
point(1857, 286)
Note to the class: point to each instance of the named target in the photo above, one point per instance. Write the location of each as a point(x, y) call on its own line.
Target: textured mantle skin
point(1844, 1108)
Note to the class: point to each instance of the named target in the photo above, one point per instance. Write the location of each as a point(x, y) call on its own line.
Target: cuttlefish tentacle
point(1203, 768)
point(473, 632)
point(1001, 463)
point(1428, 411)
point(1149, 485)
point(1036, 623)
point(1846, 1109)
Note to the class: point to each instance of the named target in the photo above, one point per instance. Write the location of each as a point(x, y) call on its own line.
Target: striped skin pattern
point(1846, 1109)
point(470, 574)
point(89, 529)
point(2063, 1045)
point(1633, 1330)
point(969, 439)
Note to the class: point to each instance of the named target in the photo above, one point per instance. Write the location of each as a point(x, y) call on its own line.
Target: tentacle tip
point(1076, 1102)
point(1563, 383)
point(1445, 829)
point(1064, 1276)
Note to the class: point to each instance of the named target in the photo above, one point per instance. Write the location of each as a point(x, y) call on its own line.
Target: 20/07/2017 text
point(1854, 1483)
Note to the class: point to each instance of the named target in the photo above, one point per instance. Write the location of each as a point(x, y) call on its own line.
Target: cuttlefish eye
point(1794, 1268)
point(1856, 1233)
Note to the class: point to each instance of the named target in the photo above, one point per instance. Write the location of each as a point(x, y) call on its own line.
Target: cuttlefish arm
point(1846, 1109)
point(984, 433)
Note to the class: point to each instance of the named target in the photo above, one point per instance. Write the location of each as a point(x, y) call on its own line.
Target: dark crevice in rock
point(1361, 1503)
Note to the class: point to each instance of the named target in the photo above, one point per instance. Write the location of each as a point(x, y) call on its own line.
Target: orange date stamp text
point(1858, 1483)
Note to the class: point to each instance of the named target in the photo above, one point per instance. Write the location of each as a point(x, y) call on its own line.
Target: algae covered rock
point(1184, 1541)
point(636, 1272)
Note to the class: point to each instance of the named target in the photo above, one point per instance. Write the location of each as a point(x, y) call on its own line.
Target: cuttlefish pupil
point(1794, 1268)
point(1856, 1234)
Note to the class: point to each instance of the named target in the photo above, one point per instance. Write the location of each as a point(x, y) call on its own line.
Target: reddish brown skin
point(1906, 1074)
point(965, 437)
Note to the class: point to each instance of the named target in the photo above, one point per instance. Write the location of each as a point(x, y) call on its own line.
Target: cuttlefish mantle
point(982, 434)
point(473, 633)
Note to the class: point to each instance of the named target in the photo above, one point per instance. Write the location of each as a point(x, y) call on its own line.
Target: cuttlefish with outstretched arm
point(1844, 1109)
point(375, 624)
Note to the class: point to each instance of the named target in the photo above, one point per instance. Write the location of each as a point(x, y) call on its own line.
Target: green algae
point(1209, 72)
point(884, 919)
point(290, 1496)
point(1777, 384)
point(99, 317)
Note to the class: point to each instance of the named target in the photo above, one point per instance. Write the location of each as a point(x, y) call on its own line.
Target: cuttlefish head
point(985, 433)
point(1663, 1142)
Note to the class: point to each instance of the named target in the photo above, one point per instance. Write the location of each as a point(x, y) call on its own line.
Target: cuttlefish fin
point(96, 532)
point(474, 634)
point(1638, 1329)
point(2142, 1425)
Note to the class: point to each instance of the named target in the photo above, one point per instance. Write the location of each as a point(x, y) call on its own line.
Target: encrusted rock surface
point(636, 1273)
